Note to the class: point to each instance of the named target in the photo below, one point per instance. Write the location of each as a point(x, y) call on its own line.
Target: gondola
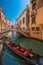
point(27, 55)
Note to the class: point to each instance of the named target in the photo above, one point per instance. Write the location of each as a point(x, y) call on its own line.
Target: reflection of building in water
point(36, 19)
point(12, 35)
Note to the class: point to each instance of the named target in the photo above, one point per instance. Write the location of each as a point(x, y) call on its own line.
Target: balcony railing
point(33, 1)
point(22, 29)
point(34, 12)
point(24, 32)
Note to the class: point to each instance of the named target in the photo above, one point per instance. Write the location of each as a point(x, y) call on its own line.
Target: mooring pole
point(0, 60)
point(0, 55)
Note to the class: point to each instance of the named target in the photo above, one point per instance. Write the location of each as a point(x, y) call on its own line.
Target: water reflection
point(8, 59)
point(23, 42)
point(12, 35)
point(10, 56)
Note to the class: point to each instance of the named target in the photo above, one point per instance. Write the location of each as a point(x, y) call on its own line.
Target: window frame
point(23, 20)
point(33, 28)
point(37, 29)
point(20, 22)
point(33, 6)
point(33, 19)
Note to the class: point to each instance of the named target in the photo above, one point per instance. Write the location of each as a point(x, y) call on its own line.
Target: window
point(23, 20)
point(20, 22)
point(23, 28)
point(33, 19)
point(33, 1)
point(33, 28)
point(34, 6)
point(37, 28)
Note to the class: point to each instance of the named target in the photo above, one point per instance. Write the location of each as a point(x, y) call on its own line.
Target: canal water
point(9, 58)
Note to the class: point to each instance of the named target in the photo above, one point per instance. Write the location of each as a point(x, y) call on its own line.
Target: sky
point(13, 8)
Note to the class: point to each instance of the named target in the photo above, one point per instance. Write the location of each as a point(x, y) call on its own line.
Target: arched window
point(34, 6)
point(33, 19)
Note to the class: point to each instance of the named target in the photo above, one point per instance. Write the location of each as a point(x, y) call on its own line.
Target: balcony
point(34, 12)
point(33, 1)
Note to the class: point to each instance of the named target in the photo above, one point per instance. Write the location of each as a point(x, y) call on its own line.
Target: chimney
point(27, 5)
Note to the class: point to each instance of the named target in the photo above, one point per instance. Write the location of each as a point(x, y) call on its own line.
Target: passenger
point(30, 50)
point(18, 47)
point(26, 53)
point(22, 50)
point(30, 53)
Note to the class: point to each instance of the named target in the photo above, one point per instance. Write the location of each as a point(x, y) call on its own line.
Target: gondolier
point(4, 40)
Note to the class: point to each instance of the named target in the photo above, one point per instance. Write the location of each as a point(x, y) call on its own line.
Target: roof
point(27, 8)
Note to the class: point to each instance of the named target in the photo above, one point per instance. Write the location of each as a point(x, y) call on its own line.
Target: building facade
point(36, 19)
point(1, 18)
point(5, 23)
point(23, 21)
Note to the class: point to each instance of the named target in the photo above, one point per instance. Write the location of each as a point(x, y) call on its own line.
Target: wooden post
point(1, 46)
point(0, 60)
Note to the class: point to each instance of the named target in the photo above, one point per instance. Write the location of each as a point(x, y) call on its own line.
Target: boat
point(25, 54)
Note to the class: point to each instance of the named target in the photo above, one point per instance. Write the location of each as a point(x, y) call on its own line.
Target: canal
point(36, 45)
point(9, 58)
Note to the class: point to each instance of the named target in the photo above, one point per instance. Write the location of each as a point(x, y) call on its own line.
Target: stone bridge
point(27, 34)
